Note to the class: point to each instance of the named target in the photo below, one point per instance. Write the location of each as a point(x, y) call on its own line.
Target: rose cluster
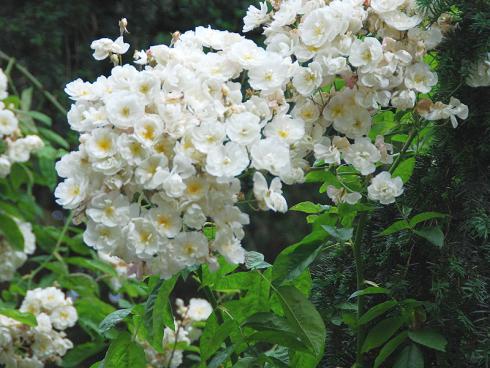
point(14, 147)
point(378, 49)
point(35, 347)
point(163, 146)
point(185, 333)
point(161, 149)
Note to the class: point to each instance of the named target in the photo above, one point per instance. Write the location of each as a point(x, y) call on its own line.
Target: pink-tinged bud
point(351, 81)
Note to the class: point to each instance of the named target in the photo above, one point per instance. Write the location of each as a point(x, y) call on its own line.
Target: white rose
point(384, 188)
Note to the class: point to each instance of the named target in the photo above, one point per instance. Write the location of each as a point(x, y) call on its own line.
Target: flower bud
point(123, 24)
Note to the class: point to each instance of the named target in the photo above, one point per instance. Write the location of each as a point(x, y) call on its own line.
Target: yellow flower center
point(193, 188)
point(145, 236)
point(144, 88)
point(104, 144)
point(163, 221)
point(283, 133)
point(189, 249)
point(125, 111)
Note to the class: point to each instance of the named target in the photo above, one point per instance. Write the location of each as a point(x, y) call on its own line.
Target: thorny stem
point(51, 98)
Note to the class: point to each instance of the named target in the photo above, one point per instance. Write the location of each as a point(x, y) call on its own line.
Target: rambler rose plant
point(163, 146)
point(341, 94)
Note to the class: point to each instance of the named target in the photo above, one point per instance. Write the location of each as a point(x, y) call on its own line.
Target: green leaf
point(389, 348)
point(10, 230)
point(255, 260)
point(405, 169)
point(341, 234)
point(12, 102)
point(19, 175)
point(209, 231)
point(383, 122)
point(91, 312)
point(432, 234)
point(410, 357)
point(429, 338)
point(381, 333)
point(220, 358)
point(209, 278)
point(9, 209)
point(278, 356)
point(26, 99)
point(304, 318)
point(395, 227)
point(43, 118)
point(158, 312)
point(424, 216)
point(274, 330)
point(214, 335)
point(92, 264)
point(303, 360)
point(370, 291)
point(376, 311)
point(402, 138)
point(47, 169)
point(281, 338)
point(82, 283)
point(308, 207)
point(317, 176)
point(246, 362)
point(76, 356)
point(125, 353)
point(237, 281)
point(293, 260)
point(113, 319)
point(54, 137)
point(25, 318)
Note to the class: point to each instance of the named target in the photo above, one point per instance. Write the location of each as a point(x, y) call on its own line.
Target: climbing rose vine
point(166, 145)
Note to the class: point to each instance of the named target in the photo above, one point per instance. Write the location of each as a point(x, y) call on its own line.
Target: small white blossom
point(269, 197)
point(363, 155)
point(255, 17)
point(104, 47)
point(199, 309)
point(384, 188)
